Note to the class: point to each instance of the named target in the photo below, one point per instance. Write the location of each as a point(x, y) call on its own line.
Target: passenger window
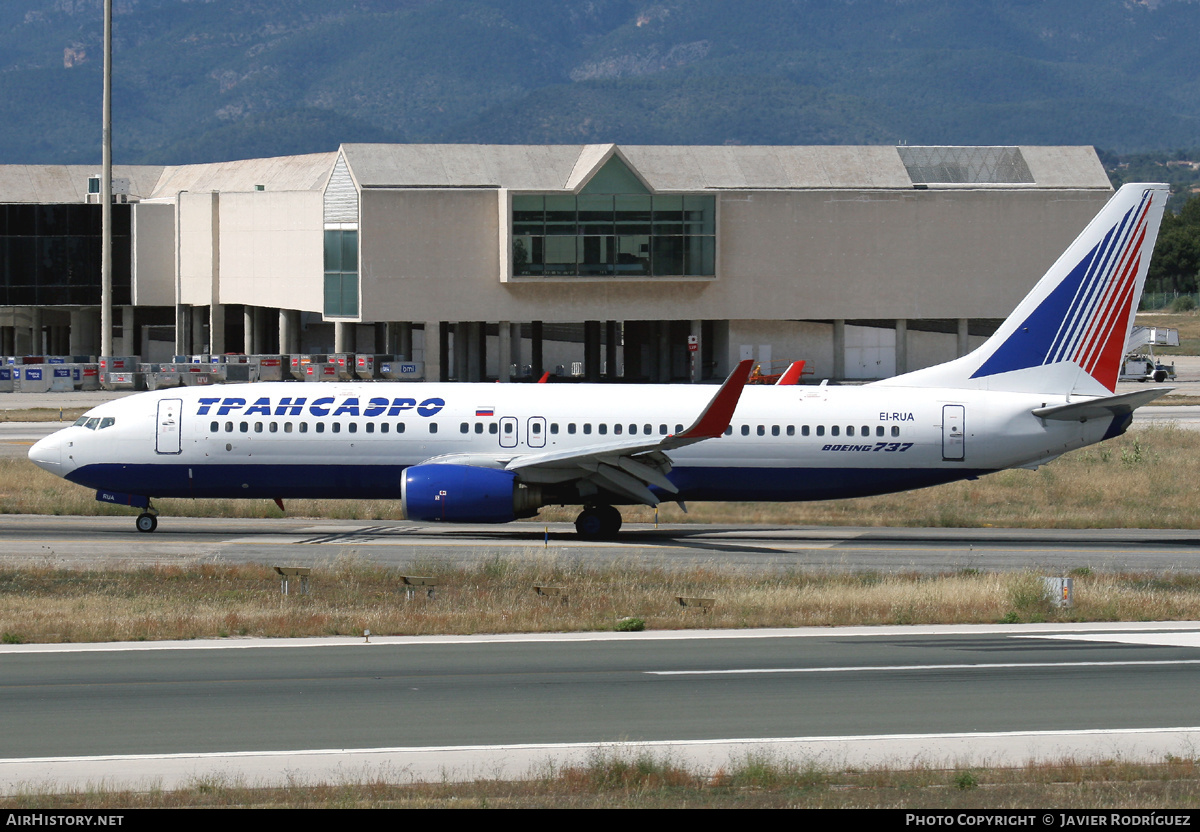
point(834, 430)
point(383, 427)
point(662, 430)
point(337, 427)
point(804, 430)
point(399, 427)
point(745, 430)
point(866, 430)
point(244, 427)
point(464, 428)
point(537, 428)
point(352, 427)
point(850, 430)
point(320, 427)
point(647, 429)
point(493, 429)
point(774, 430)
point(215, 427)
point(617, 429)
point(879, 430)
point(287, 427)
point(304, 427)
point(762, 430)
point(820, 430)
point(587, 427)
point(603, 429)
point(679, 428)
point(479, 427)
point(274, 427)
point(433, 427)
point(895, 430)
point(370, 427)
point(571, 428)
point(258, 427)
point(728, 430)
point(791, 430)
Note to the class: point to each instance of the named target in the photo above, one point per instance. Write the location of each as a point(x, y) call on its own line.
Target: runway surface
point(497, 706)
point(112, 541)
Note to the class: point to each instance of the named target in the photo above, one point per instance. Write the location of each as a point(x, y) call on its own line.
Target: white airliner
point(1042, 385)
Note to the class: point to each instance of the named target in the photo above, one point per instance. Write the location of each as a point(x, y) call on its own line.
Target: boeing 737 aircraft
point(1042, 385)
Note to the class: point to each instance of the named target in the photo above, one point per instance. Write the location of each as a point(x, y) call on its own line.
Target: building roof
point(685, 168)
point(555, 167)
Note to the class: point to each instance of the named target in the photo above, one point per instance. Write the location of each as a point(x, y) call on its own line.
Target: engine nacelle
point(465, 494)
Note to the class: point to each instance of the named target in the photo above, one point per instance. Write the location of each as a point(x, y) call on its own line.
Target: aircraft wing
point(627, 467)
point(1104, 407)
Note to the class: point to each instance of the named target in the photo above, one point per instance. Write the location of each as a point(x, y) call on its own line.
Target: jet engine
point(465, 494)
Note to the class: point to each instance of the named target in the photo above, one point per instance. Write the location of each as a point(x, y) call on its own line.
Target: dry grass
point(43, 414)
point(1145, 479)
point(43, 604)
point(644, 781)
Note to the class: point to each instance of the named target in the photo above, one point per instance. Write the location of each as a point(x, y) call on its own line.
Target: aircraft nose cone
point(46, 453)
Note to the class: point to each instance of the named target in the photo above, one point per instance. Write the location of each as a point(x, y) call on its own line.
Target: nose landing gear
point(147, 521)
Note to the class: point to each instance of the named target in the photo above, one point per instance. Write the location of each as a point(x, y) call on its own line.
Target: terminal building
point(482, 262)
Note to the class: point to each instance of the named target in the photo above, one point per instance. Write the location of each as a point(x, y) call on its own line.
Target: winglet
point(792, 374)
point(716, 417)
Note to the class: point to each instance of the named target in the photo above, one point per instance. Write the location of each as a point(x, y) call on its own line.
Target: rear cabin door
point(954, 434)
point(169, 440)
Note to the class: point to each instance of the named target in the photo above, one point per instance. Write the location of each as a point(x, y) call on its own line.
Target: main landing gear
point(598, 522)
point(147, 521)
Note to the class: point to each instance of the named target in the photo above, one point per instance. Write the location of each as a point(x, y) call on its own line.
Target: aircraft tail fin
point(1068, 334)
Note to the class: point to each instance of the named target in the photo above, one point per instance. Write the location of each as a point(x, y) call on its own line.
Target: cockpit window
point(92, 422)
point(80, 422)
point(107, 422)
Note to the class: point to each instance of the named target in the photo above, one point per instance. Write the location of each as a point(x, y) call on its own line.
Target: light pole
point(106, 341)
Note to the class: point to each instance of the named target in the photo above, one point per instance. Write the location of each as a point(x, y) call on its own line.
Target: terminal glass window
point(614, 235)
point(341, 273)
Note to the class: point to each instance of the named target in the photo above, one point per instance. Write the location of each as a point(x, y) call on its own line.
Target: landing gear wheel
point(147, 522)
point(598, 523)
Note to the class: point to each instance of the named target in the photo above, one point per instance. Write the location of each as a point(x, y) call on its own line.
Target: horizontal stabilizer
point(1101, 408)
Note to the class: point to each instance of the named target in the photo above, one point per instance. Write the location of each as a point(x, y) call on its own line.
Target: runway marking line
point(917, 667)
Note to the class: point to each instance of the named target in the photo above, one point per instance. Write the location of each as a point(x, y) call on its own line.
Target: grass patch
point(43, 414)
point(646, 781)
point(40, 604)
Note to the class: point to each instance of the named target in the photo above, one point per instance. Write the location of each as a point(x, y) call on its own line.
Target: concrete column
point(248, 329)
point(723, 362)
point(343, 336)
point(183, 328)
point(216, 329)
point(901, 346)
point(459, 351)
point(964, 337)
point(285, 332)
point(8, 340)
point(75, 342)
point(591, 351)
point(433, 351)
point(35, 331)
point(839, 349)
point(504, 351)
point(535, 349)
point(128, 332)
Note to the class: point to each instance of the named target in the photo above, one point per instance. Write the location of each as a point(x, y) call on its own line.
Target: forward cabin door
point(169, 440)
point(536, 432)
point(508, 432)
point(954, 433)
